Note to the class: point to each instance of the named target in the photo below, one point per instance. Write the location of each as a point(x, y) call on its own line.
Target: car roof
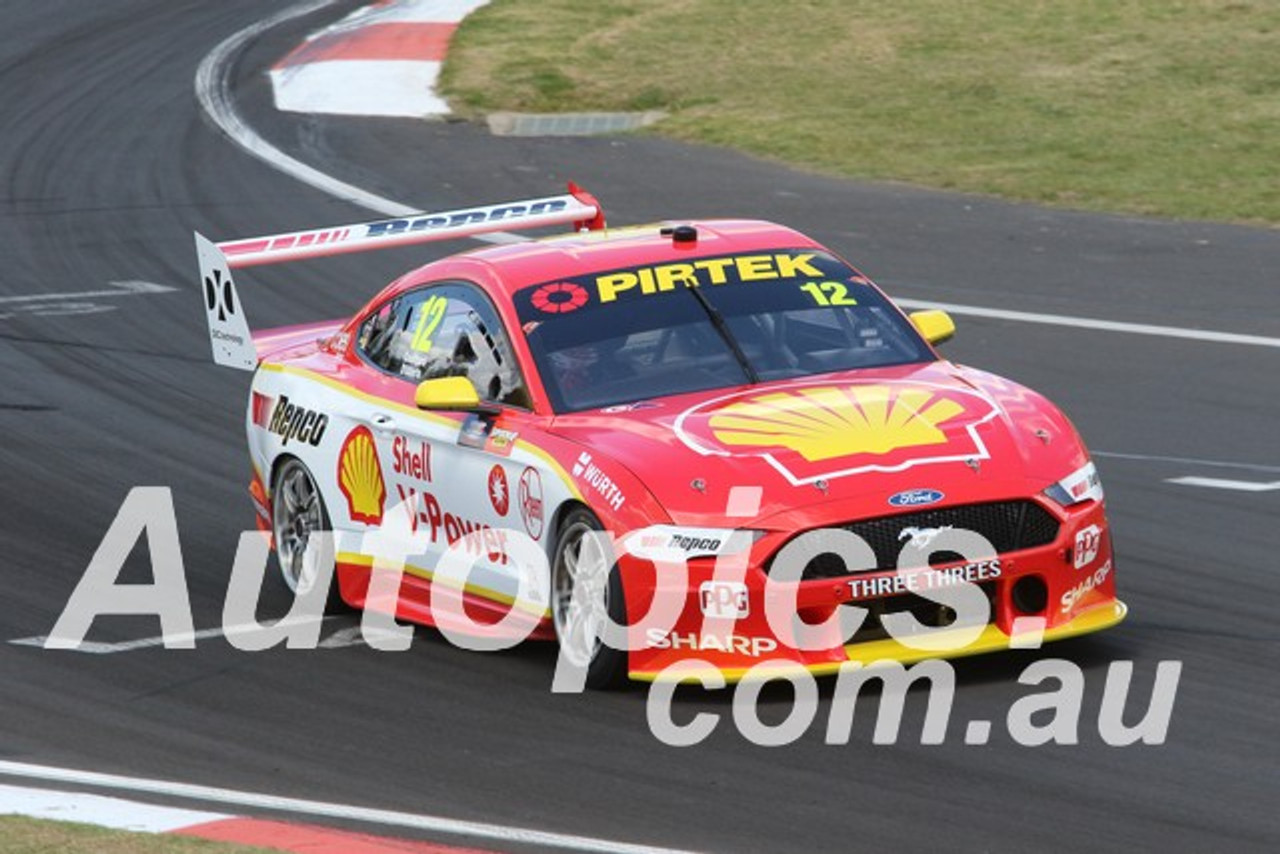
point(518, 265)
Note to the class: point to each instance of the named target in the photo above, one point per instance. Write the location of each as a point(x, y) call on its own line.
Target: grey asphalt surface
point(107, 167)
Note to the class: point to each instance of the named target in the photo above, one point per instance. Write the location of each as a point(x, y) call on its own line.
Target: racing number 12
point(829, 293)
point(429, 318)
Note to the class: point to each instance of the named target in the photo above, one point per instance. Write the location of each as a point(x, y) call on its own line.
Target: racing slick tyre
point(298, 514)
point(581, 594)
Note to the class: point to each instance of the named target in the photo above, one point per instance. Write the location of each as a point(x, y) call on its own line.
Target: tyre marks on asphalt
point(176, 640)
point(80, 302)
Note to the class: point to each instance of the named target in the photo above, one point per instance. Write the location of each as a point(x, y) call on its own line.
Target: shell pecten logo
point(360, 477)
point(809, 432)
point(828, 422)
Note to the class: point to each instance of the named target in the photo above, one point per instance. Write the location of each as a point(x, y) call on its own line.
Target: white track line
point(1219, 483)
point(1094, 323)
point(386, 818)
point(1190, 461)
point(98, 810)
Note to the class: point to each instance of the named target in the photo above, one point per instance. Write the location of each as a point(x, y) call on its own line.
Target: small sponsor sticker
point(499, 496)
point(531, 504)
point(501, 441)
point(918, 580)
point(724, 599)
point(1091, 582)
point(1084, 484)
point(262, 405)
point(1088, 544)
point(480, 433)
point(474, 432)
point(586, 470)
point(678, 544)
point(559, 297)
point(411, 458)
point(755, 647)
point(292, 422)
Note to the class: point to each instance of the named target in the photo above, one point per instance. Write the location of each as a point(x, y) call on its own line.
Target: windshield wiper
point(718, 321)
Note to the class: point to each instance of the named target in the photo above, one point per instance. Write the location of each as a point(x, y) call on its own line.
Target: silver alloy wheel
point(298, 514)
point(582, 568)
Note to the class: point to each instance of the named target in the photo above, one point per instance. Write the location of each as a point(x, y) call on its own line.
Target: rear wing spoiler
point(229, 331)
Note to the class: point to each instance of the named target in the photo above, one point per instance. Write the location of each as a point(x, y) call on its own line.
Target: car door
point(455, 476)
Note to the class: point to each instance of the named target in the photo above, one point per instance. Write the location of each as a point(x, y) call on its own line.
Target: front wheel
point(585, 586)
point(299, 517)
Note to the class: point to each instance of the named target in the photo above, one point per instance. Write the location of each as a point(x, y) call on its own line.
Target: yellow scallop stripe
point(367, 561)
point(429, 417)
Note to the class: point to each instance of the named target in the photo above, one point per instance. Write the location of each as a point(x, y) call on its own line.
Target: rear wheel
point(299, 517)
point(585, 586)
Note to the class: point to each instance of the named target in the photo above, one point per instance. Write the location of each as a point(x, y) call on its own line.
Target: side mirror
point(936, 326)
point(450, 393)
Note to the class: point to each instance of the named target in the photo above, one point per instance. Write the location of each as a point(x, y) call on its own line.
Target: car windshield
point(627, 335)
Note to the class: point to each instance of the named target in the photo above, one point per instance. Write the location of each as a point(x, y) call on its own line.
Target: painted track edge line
point(99, 810)
point(1094, 323)
point(213, 94)
point(297, 806)
point(1186, 461)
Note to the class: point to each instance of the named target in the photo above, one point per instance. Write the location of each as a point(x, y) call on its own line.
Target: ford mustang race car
point(749, 417)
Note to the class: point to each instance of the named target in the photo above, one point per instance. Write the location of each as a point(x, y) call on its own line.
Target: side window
point(446, 330)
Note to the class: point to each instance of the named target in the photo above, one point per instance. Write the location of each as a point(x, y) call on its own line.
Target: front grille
point(1007, 525)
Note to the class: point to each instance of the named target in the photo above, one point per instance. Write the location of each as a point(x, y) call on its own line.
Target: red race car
point(787, 469)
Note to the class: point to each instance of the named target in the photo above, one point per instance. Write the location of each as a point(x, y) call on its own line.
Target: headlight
point(676, 543)
point(1083, 484)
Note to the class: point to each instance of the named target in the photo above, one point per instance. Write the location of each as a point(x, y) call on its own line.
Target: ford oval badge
point(916, 497)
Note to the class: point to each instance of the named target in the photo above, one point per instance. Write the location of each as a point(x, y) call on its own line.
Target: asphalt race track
point(108, 165)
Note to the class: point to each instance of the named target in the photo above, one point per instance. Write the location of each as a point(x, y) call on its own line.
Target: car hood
point(836, 446)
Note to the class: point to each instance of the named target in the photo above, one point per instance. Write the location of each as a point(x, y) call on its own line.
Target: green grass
point(29, 836)
point(1155, 107)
